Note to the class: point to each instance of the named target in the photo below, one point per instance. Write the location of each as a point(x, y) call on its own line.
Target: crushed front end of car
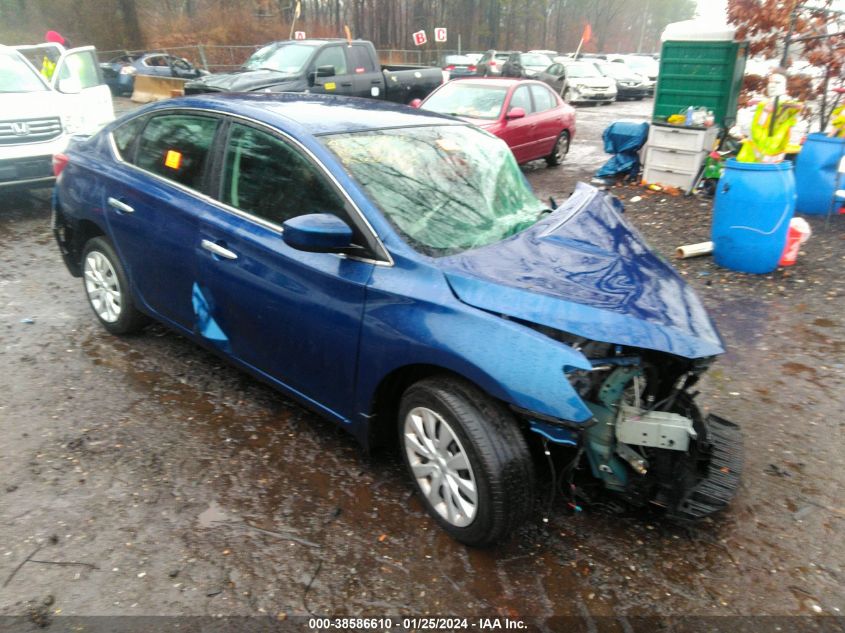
point(586, 279)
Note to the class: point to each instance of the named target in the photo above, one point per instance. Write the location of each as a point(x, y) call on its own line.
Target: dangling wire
point(568, 474)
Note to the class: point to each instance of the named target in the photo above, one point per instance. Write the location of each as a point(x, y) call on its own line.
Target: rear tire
point(468, 459)
point(107, 288)
point(559, 151)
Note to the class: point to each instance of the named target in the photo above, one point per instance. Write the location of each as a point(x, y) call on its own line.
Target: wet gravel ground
point(144, 476)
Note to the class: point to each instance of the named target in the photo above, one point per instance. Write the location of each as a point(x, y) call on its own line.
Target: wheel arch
point(72, 237)
point(384, 405)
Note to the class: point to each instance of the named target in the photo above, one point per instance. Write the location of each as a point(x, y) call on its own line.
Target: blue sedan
point(391, 269)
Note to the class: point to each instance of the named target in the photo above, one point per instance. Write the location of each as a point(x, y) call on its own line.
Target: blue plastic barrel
point(754, 204)
point(815, 173)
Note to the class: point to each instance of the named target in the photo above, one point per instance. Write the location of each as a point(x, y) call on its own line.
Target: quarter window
point(332, 56)
point(268, 178)
point(125, 136)
point(176, 146)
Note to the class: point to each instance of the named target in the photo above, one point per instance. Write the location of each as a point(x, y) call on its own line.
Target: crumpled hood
point(583, 270)
point(241, 81)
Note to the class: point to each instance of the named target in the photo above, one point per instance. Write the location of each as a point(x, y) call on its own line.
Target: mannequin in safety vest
point(48, 64)
point(768, 139)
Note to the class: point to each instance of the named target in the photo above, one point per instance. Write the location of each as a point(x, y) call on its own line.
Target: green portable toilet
point(701, 65)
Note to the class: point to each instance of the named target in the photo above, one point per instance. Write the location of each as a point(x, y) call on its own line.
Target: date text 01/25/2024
point(416, 624)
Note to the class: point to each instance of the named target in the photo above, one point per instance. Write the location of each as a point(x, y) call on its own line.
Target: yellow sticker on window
point(330, 85)
point(173, 159)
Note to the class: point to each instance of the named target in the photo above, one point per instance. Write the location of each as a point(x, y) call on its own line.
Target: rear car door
point(548, 122)
point(78, 75)
point(368, 80)
point(153, 201)
point(519, 134)
point(156, 65)
point(342, 81)
point(553, 76)
point(292, 315)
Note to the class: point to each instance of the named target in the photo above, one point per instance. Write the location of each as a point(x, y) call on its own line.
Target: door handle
point(346, 85)
point(221, 251)
point(116, 204)
point(376, 82)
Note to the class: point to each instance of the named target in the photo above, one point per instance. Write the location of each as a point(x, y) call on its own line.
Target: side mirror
point(70, 86)
point(317, 233)
point(415, 103)
point(326, 71)
point(516, 113)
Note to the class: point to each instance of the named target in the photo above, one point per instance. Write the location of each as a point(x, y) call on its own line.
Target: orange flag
point(588, 34)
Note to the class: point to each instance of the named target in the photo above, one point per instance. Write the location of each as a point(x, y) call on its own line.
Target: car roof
point(505, 82)
point(312, 113)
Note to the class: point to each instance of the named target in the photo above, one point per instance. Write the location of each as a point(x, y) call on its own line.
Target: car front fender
point(510, 361)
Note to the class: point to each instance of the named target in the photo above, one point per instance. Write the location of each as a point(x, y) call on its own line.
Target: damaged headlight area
point(648, 440)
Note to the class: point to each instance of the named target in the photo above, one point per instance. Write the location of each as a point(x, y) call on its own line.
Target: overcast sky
point(713, 10)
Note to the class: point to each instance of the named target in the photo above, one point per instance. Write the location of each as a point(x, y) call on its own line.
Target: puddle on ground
point(212, 515)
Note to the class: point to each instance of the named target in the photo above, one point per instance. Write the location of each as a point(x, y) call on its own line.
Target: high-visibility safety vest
point(48, 67)
point(763, 147)
point(837, 120)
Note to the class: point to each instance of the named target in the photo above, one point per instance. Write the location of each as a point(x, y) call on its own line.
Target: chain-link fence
point(211, 57)
point(222, 58)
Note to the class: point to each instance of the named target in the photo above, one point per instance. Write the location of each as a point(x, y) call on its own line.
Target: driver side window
point(268, 178)
point(521, 99)
point(332, 56)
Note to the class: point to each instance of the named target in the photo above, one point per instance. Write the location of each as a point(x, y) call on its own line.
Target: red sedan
point(527, 115)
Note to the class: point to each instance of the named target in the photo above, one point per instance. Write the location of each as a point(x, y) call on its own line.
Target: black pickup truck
point(323, 66)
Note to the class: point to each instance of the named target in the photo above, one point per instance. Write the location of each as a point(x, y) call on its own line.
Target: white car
point(579, 82)
point(38, 116)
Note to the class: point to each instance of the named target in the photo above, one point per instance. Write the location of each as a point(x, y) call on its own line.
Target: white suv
point(38, 116)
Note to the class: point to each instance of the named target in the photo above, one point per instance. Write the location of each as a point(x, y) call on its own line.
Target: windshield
point(534, 59)
point(286, 58)
point(446, 188)
point(467, 99)
point(615, 70)
point(17, 76)
point(581, 70)
point(644, 65)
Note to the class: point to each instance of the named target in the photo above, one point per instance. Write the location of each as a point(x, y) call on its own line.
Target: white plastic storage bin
point(681, 138)
point(673, 160)
point(669, 177)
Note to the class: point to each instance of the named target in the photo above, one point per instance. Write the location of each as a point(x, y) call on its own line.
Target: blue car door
point(153, 204)
point(294, 316)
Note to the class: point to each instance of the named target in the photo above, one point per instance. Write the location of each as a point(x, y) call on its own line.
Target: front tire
point(468, 460)
point(107, 288)
point(559, 151)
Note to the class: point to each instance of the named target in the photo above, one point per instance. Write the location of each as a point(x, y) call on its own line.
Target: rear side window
point(176, 146)
point(125, 137)
point(543, 98)
point(268, 178)
point(361, 60)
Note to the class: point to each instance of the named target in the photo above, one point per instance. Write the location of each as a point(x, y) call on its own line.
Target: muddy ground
point(144, 476)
